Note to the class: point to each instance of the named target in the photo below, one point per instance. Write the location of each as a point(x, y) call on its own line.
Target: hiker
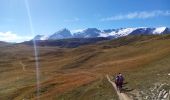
point(116, 81)
point(119, 81)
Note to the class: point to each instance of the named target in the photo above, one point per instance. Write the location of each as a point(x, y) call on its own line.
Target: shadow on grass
point(126, 89)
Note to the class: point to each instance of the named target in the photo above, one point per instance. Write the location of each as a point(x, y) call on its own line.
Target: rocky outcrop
point(157, 92)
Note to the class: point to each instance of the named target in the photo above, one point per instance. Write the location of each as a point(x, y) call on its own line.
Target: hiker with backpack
point(116, 81)
point(119, 81)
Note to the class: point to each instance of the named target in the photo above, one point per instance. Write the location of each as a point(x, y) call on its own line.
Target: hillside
point(79, 73)
point(66, 43)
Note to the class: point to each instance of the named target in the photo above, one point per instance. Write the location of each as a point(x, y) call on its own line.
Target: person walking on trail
point(119, 81)
point(116, 81)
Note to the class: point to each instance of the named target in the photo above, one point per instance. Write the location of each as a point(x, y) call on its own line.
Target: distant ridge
point(94, 32)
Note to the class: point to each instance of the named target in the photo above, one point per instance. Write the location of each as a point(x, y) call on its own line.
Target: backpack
point(116, 78)
point(121, 79)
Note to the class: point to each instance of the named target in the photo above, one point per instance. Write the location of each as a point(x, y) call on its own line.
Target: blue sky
point(48, 16)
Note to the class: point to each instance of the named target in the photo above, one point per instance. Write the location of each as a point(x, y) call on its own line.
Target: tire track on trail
point(122, 96)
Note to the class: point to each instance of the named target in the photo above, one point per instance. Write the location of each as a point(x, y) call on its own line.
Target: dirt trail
point(122, 96)
point(23, 65)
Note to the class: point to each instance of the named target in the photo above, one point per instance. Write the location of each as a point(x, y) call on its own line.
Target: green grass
point(146, 76)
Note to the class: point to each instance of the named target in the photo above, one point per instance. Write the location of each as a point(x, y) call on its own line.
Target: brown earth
point(80, 72)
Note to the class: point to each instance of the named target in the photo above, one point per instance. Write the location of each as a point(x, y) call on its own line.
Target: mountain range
point(94, 32)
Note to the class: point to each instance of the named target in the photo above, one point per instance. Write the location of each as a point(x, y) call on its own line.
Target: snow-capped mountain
point(94, 32)
point(61, 34)
point(117, 32)
point(149, 31)
point(87, 33)
point(140, 31)
point(40, 37)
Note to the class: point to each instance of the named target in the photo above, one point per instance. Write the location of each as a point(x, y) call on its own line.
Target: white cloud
point(72, 20)
point(12, 37)
point(138, 15)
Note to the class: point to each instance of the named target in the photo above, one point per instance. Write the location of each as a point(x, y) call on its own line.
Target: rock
point(165, 96)
point(159, 88)
point(146, 97)
point(164, 92)
point(160, 94)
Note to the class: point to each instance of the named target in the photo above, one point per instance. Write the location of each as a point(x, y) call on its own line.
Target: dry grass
point(63, 70)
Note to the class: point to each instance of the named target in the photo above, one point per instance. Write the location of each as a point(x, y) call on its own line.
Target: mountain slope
point(87, 33)
point(40, 37)
point(79, 73)
point(67, 43)
point(61, 34)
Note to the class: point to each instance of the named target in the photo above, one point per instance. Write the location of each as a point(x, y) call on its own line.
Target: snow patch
point(77, 30)
point(159, 30)
point(44, 37)
point(118, 33)
point(126, 31)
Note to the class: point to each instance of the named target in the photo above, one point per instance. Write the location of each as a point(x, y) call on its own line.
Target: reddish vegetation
point(68, 82)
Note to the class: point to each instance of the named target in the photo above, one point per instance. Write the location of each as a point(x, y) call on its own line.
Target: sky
point(20, 20)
